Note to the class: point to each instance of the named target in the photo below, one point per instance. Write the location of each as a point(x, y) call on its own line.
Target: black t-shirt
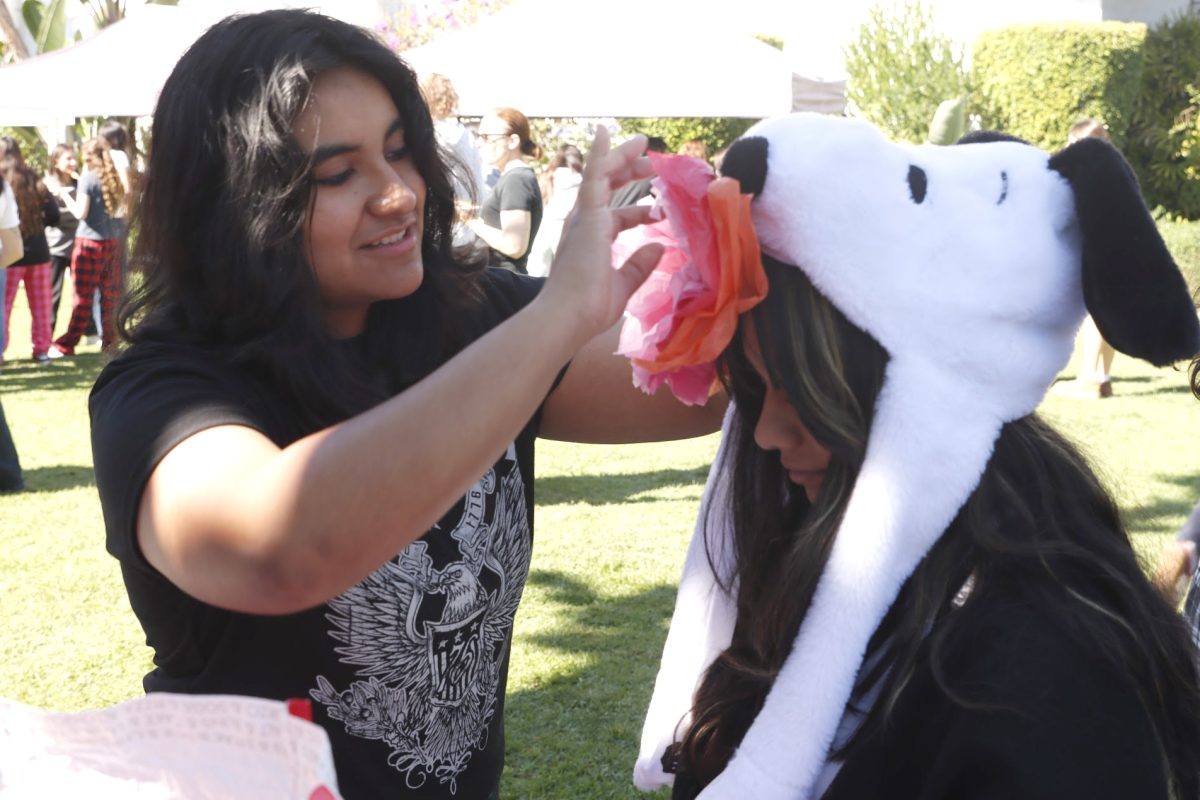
point(406, 670)
point(517, 190)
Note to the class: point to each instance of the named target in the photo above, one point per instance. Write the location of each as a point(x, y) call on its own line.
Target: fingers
point(630, 217)
point(629, 162)
point(607, 169)
point(637, 267)
point(593, 191)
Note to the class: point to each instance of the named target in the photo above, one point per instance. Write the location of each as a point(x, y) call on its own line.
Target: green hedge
point(1034, 81)
point(1183, 240)
point(1164, 140)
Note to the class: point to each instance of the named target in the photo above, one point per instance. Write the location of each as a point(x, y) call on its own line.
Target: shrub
point(33, 149)
point(716, 132)
point(1183, 240)
point(1164, 140)
point(1034, 81)
point(899, 70)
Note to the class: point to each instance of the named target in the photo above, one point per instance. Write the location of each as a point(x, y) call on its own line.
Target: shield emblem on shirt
point(454, 657)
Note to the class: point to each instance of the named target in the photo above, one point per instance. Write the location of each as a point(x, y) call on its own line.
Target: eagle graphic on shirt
point(427, 635)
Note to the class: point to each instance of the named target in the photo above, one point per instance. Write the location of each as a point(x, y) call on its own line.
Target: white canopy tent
point(639, 58)
point(119, 71)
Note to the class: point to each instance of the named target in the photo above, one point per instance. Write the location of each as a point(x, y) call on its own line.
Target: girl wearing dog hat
point(904, 583)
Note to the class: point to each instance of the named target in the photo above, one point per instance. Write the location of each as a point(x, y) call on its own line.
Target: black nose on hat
point(746, 161)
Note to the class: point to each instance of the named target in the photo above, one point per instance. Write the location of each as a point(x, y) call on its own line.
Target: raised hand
point(582, 275)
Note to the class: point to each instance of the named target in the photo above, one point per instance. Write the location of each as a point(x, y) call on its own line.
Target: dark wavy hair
point(1039, 516)
point(225, 195)
point(32, 195)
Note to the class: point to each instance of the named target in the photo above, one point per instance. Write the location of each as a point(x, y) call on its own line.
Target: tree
point(10, 35)
point(47, 19)
point(900, 69)
point(419, 21)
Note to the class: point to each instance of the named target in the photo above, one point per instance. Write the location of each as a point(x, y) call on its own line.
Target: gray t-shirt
point(97, 224)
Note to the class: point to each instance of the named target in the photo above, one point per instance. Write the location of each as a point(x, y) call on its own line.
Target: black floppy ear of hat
point(1131, 285)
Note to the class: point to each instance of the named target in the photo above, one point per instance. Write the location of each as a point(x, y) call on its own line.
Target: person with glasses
point(511, 214)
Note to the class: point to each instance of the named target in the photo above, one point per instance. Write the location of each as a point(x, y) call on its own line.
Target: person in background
point(37, 210)
point(1189, 534)
point(12, 248)
point(95, 257)
point(560, 188)
point(454, 139)
point(1177, 560)
point(638, 191)
point(511, 214)
point(696, 148)
point(315, 457)
point(1094, 381)
point(119, 143)
point(61, 178)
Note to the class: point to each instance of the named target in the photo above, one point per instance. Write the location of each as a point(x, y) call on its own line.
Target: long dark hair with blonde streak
point(98, 158)
point(1039, 517)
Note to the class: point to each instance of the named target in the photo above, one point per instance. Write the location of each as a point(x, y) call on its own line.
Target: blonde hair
point(694, 147)
point(1087, 127)
point(98, 157)
point(439, 95)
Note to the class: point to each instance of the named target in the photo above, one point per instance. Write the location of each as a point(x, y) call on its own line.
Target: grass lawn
point(612, 525)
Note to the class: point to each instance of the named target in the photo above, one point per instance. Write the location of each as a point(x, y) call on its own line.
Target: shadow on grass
point(1121, 390)
point(617, 487)
point(71, 372)
point(576, 734)
point(59, 477)
point(1156, 512)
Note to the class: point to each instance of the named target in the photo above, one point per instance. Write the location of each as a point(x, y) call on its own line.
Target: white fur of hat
point(967, 264)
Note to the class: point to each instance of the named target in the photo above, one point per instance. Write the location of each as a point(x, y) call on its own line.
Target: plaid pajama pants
point(94, 262)
point(37, 292)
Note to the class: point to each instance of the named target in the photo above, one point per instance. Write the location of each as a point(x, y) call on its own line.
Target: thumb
point(637, 267)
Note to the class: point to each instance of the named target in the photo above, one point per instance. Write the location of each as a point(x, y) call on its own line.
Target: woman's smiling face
point(363, 231)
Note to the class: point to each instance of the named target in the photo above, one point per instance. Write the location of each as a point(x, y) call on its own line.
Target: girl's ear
point(1131, 286)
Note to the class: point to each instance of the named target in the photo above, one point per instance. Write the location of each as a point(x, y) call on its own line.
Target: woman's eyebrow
point(322, 154)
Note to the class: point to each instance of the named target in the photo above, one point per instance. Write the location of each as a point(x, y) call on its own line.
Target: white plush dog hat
point(972, 266)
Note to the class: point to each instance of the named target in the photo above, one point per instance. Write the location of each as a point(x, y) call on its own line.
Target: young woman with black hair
point(1027, 641)
point(907, 584)
point(315, 458)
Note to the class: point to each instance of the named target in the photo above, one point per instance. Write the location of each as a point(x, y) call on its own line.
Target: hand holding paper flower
point(685, 314)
